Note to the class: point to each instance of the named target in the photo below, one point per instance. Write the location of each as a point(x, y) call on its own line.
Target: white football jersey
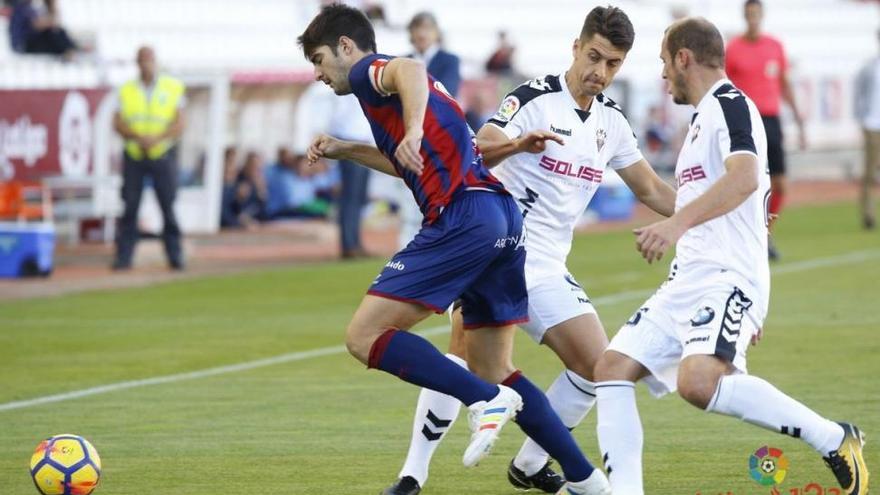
point(553, 187)
point(726, 123)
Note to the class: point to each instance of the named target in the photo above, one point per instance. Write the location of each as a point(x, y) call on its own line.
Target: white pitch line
point(800, 266)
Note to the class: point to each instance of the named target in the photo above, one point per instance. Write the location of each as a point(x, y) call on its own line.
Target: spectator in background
point(296, 190)
point(756, 64)
point(150, 120)
point(501, 60)
point(33, 30)
point(228, 208)
point(657, 141)
point(425, 37)
point(867, 111)
point(320, 111)
point(375, 12)
point(479, 110)
point(251, 192)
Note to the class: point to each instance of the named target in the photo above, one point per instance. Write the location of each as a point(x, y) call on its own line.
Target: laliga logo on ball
point(768, 466)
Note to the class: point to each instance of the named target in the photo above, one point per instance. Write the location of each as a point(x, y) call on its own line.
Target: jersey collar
point(582, 114)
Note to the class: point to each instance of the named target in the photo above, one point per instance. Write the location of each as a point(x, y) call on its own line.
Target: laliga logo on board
point(74, 135)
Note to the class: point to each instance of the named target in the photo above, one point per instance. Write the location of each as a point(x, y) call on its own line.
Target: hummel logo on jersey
point(395, 265)
point(737, 304)
point(570, 170)
point(564, 132)
point(732, 94)
point(601, 135)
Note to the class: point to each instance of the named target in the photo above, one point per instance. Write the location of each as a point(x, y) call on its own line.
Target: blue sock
point(414, 360)
point(542, 425)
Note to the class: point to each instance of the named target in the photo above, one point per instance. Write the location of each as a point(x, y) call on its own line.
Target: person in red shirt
point(756, 64)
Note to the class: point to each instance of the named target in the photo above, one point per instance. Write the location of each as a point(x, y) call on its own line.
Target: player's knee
point(697, 389)
point(358, 343)
point(611, 366)
point(491, 372)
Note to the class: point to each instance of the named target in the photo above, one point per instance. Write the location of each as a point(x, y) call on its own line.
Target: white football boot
point(596, 484)
point(486, 420)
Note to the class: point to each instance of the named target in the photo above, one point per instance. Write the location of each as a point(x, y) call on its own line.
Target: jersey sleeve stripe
point(737, 117)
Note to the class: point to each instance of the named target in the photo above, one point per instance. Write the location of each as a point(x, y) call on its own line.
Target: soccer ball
point(65, 465)
point(768, 465)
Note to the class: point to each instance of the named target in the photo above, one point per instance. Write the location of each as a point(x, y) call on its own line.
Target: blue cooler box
point(26, 249)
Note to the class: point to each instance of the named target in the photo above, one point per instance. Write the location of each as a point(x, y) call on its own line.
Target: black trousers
point(163, 173)
point(352, 200)
point(54, 41)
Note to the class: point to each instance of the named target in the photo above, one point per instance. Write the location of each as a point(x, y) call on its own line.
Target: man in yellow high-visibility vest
point(150, 119)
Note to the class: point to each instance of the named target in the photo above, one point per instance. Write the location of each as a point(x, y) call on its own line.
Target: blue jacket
point(444, 67)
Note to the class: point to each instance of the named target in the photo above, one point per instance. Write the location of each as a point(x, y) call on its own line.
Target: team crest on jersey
point(508, 109)
point(696, 132)
point(600, 139)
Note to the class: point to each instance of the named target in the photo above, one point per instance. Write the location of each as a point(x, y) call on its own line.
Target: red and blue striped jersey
point(453, 161)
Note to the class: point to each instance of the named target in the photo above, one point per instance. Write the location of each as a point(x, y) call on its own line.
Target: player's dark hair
point(612, 24)
point(759, 3)
point(700, 37)
point(336, 20)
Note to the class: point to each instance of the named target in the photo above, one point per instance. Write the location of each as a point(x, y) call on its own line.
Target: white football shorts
point(708, 311)
point(553, 299)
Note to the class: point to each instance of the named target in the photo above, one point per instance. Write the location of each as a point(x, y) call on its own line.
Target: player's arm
point(788, 97)
point(731, 190)
point(408, 78)
point(649, 187)
point(497, 147)
point(325, 146)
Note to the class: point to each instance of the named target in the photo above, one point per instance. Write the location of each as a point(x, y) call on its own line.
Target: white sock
point(434, 416)
point(756, 401)
point(620, 436)
point(571, 397)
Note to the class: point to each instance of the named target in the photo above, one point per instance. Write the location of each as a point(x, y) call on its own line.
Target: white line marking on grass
point(799, 266)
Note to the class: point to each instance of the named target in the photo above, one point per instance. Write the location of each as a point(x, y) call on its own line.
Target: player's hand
point(536, 141)
point(654, 240)
point(802, 138)
point(757, 336)
point(324, 146)
point(408, 153)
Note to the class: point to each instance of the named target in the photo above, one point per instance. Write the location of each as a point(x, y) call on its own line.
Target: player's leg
point(489, 354)
point(776, 165)
point(377, 337)
point(434, 416)
point(618, 426)
point(871, 165)
point(562, 318)
point(711, 382)
point(491, 306)
point(646, 348)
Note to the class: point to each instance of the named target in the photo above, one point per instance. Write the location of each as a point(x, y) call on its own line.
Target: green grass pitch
point(326, 425)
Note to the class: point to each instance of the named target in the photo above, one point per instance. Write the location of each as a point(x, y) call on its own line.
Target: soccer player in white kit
point(554, 136)
point(692, 334)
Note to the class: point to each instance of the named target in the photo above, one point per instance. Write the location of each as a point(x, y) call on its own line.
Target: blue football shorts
point(474, 251)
